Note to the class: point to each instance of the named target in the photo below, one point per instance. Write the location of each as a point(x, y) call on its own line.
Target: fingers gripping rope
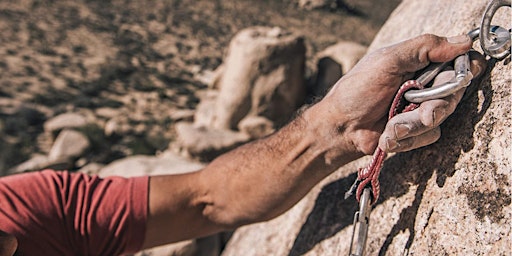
point(370, 175)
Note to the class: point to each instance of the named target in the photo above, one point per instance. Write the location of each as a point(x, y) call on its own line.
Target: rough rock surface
point(450, 198)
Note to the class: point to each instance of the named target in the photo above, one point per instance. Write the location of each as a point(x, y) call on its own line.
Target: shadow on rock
point(441, 157)
point(399, 173)
point(329, 215)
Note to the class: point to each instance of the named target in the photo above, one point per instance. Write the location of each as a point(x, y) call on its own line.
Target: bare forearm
point(263, 179)
point(255, 182)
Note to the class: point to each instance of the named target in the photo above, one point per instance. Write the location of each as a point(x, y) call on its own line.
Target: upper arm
point(59, 213)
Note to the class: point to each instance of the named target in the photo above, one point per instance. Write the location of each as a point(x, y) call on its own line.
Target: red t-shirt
point(62, 213)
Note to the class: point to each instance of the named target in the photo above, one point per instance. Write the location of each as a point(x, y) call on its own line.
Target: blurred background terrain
point(134, 68)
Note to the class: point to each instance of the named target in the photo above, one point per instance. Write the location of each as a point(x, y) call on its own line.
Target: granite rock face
point(450, 198)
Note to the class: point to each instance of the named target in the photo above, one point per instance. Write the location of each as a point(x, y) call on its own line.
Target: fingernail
point(401, 130)
point(478, 70)
point(458, 39)
point(391, 144)
point(437, 116)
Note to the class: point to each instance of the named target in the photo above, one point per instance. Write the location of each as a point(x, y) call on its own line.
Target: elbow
point(224, 217)
point(230, 216)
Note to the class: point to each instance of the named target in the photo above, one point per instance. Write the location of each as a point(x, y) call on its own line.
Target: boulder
point(67, 147)
point(36, 162)
point(449, 198)
point(204, 143)
point(41, 162)
point(333, 62)
point(205, 110)
point(258, 88)
point(69, 144)
point(256, 126)
point(138, 165)
point(179, 115)
point(315, 4)
point(106, 112)
point(66, 120)
point(91, 168)
point(263, 75)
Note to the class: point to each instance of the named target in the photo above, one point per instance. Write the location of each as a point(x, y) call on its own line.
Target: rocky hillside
point(129, 70)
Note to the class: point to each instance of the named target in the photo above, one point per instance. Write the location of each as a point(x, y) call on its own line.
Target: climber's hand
point(420, 127)
point(364, 95)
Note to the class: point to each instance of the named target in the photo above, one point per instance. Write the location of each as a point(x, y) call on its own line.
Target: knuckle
point(427, 117)
point(436, 134)
point(438, 116)
point(434, 113)
point(428, 41)
point(454, 100)
point(430, 137)
point(407, 144)
point(427, 37)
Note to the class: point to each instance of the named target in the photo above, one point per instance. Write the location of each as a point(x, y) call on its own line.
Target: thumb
point(416, 53)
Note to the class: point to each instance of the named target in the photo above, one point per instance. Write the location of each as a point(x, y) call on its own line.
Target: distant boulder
point(263, 75)
point(63, 121)
point(334, 62)
point(69, 144)
point(206, 144)
point(257, 89)
point(315, 4)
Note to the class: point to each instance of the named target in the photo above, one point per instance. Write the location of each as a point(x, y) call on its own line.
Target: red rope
point(371, 173)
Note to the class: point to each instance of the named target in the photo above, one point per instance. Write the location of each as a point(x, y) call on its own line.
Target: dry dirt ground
point(140, 62)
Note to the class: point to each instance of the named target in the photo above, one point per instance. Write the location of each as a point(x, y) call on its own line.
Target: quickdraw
point(494, 41)
point(370, 174)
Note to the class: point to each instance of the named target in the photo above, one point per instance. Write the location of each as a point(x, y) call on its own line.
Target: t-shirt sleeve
point(62, 213)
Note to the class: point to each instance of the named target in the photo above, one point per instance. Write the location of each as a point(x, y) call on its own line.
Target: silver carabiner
point(495, 44)
point(461, 64)
point(494, 41)
point(462, 78)
point(362, 220)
